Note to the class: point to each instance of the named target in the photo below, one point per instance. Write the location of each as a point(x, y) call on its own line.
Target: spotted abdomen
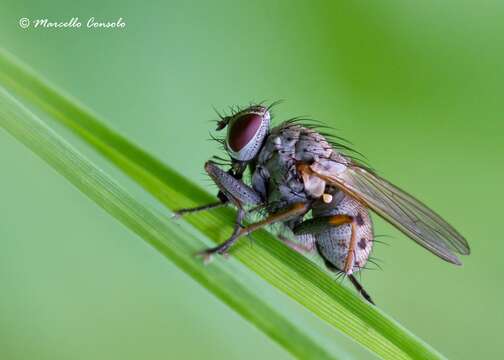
point(346, 246)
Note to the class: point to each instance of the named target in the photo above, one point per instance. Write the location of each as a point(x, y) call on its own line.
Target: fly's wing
point(400, 209)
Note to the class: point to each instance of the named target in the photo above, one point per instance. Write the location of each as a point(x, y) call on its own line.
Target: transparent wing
point(402, 210)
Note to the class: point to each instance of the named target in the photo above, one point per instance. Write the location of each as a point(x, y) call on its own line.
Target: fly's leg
point(360, 289)
point(303, 243)
point(223, 248)
point(235, 190)
point(316, 226)
point(231, 189)
point(181, 212)
point(283, 215)
point(351, 277)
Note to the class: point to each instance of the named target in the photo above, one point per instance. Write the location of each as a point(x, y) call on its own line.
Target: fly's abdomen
point(348, 245)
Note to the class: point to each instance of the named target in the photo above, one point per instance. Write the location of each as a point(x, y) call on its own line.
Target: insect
point(320, 194)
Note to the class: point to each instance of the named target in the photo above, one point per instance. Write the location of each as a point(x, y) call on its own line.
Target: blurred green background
point(416, 86)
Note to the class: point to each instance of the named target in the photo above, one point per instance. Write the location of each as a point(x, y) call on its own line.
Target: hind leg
point(303, 244)
point(320, 225)
point(351, 277)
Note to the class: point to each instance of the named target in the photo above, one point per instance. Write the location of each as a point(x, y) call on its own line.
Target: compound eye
point(246, 133)
point(243, 130)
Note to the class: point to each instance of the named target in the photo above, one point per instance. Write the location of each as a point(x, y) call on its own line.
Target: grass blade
point(169, 239)
point(288, 271)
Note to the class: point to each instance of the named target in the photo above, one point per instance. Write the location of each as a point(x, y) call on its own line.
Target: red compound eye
point(243, 130)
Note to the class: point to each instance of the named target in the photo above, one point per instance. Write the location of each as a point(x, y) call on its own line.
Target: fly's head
point(246, 132)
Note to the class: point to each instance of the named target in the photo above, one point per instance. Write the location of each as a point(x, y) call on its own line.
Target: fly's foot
point(222, 249)
point(176, 215)
point(206, 256)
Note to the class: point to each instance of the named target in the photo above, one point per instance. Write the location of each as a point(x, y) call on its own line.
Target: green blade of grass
point(224, 280)
point(283, 268)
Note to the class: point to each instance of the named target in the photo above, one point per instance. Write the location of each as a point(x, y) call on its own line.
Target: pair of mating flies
point(321, 195)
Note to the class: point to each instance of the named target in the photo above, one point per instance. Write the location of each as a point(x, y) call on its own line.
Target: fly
point(320, 194)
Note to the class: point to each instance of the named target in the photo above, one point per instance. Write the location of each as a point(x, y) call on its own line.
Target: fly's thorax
point(277, 181)
point(276, 175)
point(297, 142)
point(346, 246)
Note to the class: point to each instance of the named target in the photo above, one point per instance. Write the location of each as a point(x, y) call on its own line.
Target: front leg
point(231, 189)
point(181, 212)
point(235, 190)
